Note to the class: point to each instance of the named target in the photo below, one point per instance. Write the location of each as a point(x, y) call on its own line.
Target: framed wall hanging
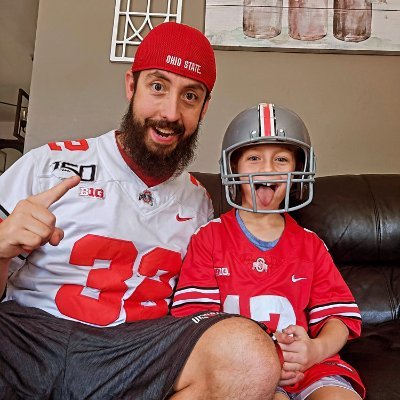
point(359, 26)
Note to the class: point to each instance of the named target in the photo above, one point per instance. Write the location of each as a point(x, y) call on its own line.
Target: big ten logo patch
point(96, 193)
point(63, 170)
point(221, 271)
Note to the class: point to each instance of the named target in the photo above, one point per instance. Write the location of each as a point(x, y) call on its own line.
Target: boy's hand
point(299, 353)
point(288, 377)
point(31, 224)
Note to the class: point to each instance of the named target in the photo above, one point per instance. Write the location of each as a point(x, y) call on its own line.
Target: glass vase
point(352, 20)
point(308, 19)
point(262, 19)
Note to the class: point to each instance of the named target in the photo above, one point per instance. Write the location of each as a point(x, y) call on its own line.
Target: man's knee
point(234, 356)
point(241, 344)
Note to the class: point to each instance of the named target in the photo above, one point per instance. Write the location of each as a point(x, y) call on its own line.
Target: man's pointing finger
point(50, 196)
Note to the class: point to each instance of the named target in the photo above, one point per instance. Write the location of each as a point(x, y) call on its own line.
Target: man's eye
point(253, 158)
point(157, 86)
point(191, 96)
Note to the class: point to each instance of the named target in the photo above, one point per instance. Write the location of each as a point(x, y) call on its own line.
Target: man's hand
point(31, 224)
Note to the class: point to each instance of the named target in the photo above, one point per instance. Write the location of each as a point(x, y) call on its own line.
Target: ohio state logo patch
point(260, 265)
point(147, 197)
point(96, 193)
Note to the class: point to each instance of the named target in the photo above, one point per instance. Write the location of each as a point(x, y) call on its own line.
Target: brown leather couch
point(358, 217)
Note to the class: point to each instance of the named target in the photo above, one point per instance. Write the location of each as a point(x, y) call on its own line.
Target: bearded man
point(92, 238)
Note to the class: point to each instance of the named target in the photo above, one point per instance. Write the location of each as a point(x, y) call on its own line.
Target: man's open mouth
point(164, 132)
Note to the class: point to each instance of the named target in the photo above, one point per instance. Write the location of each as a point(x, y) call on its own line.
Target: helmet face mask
point(268, 124)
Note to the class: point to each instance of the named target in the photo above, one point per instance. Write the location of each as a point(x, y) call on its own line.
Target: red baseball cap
point(180, 49)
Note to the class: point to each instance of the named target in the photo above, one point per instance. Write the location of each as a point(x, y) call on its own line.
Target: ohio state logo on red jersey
point(96, 193)
point(260, 265)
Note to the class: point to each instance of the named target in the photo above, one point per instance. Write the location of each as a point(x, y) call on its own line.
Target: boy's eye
point(284, 159)
point(253, 158)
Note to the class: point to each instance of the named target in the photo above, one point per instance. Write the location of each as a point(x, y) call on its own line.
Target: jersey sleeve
point(209, 204)
point(17, 183)
point(197, 288)
point(210, 208)
point(330, 296)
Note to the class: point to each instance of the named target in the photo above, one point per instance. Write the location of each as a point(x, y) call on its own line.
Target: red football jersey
point(296, 282)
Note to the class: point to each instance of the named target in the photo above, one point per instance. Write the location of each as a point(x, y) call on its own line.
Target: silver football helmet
point(269, 123)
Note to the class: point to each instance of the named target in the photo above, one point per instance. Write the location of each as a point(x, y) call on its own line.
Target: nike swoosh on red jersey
point(294, 279)
point(182, 219)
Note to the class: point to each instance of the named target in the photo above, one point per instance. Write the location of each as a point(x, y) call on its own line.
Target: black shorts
point(44, 357)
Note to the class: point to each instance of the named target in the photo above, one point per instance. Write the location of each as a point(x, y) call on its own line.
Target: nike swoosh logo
point(182, 219)
point(294, 279)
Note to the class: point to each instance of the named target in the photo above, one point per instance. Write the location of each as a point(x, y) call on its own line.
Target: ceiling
point(17, 43)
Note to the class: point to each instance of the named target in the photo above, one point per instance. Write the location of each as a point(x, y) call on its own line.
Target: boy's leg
point(233, 359)
point(281, 396)
point(333, 393)
point(333, 387)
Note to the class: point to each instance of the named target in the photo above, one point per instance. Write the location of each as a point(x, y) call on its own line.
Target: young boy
point(258, 262)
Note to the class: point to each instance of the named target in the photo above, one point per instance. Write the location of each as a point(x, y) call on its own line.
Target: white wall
point(6, 129)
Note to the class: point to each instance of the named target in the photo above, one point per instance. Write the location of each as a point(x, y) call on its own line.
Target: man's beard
point(161, 161)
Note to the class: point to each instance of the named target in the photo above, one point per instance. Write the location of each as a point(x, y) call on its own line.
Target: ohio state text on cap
point(180, 49)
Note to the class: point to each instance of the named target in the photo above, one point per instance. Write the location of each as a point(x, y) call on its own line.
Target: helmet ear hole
point(299, 190)
point(300, 159)
point(238, 195)
point(233, 164)
point(234, 160)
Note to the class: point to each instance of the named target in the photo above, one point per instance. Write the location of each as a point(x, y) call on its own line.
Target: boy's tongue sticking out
point(265, 193)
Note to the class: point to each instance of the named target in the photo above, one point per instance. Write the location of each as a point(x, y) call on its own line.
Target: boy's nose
point(267, 166)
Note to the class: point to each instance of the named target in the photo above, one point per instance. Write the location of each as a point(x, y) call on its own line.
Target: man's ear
point(205, 108)
point(129, 84)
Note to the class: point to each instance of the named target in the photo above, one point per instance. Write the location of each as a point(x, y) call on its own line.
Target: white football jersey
point(123, 242)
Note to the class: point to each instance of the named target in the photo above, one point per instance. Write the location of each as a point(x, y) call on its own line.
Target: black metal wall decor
point(21, 115)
